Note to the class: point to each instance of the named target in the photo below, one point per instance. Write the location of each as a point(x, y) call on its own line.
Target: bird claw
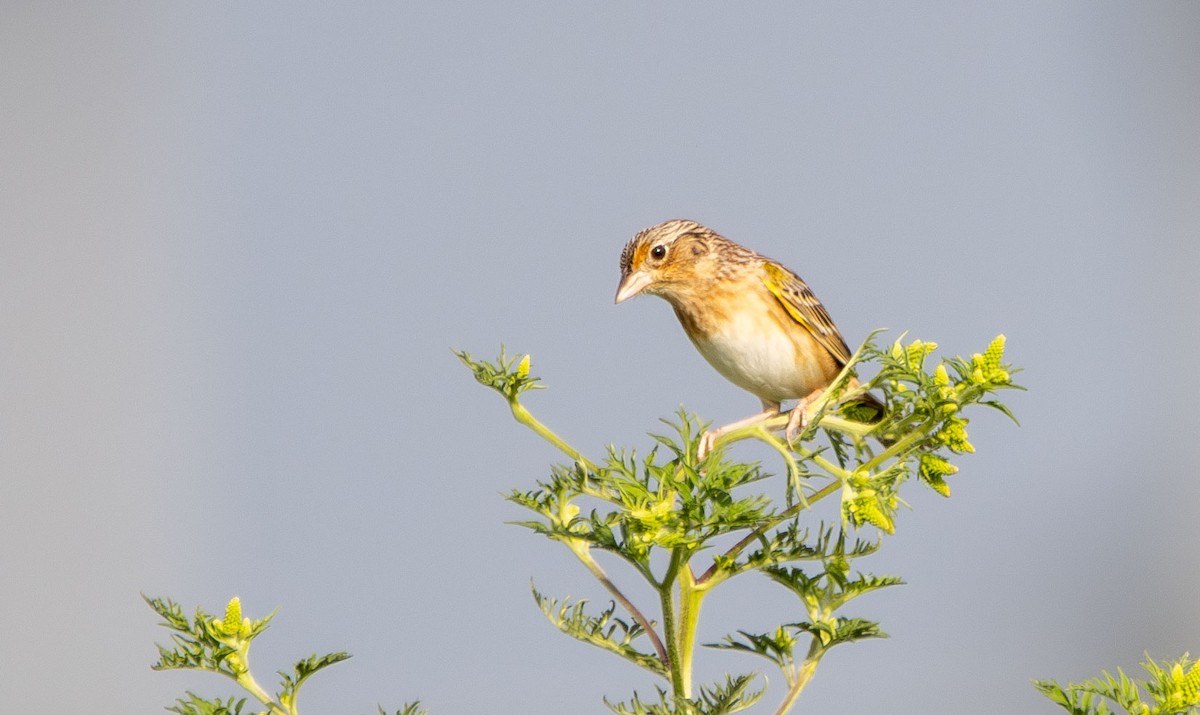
point(708, 440)
point(797, 423)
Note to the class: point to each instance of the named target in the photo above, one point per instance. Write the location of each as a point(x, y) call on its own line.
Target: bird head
point(662, 260)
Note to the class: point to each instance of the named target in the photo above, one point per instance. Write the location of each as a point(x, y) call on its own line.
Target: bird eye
point(658, 252)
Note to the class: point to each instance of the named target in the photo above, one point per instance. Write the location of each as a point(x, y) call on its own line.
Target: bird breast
point(754, 350)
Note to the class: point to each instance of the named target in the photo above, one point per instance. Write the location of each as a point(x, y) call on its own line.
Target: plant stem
point(666, 593)
point(803, 675)
point(762, 430)
point(524, 417)
point(899, 446)
point(668, 613)
point(581, 552)
point(251, 685)
point(689, 618)
point(755, 535)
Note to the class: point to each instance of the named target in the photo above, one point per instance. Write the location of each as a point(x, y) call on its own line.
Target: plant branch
point(689, 616)
point(582, 553)
point(803, 675)
point(247, 681)
point(758, 533)
point(526, 418)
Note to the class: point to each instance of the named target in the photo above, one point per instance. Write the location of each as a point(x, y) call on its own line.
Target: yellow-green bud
point(1188, 684)
point(233, 616)
point(235, 663)
point(916, 352)
point(932, 464)
point(940, 376)
point(954, 436)
point(864, 509)
point(939, 485)
point(653, 513)
point(932, 470)
point(994, 353)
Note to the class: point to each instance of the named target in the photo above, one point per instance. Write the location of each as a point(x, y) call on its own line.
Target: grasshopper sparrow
point(754, 320)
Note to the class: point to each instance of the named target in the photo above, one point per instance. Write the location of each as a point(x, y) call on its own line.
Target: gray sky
point(238, 240)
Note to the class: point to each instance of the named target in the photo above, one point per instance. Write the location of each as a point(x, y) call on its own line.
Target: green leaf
point(734, 695)
point(604, 630)
point(508, 375)
point(196, 705)
point(662, 510)
point(290, 682)
point(196, 646)
point(1173, 687)
point(776, 647)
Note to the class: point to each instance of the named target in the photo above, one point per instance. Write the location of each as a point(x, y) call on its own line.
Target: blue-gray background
point(238, 241)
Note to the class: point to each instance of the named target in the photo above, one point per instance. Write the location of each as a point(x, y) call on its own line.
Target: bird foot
point(798, 418)
point(797, 422)
point(708, 440)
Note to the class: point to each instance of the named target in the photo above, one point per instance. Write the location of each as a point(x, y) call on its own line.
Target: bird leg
point(709, 438)
point(798, 419)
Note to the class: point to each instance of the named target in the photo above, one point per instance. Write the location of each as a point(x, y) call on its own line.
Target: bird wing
point(800, 303)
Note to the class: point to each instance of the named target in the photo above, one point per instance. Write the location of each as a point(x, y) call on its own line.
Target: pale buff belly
point(759, 357)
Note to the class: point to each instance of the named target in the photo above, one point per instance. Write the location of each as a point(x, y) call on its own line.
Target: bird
point(754, 320)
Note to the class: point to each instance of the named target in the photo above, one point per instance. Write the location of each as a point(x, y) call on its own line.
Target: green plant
point(1173, 689)
point(222, 646)
point(685, 526)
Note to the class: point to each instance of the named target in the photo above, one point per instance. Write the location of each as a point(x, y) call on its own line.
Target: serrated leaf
point(196, 705)
point(718, 699)
point(303, 669)
point(605, 631)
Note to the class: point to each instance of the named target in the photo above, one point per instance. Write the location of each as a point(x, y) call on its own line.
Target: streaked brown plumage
point(754, 320)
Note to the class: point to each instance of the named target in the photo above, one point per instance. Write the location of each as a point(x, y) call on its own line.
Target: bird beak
point(632, 284)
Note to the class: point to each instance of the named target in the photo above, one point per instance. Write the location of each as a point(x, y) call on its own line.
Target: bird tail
point(869, 409)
